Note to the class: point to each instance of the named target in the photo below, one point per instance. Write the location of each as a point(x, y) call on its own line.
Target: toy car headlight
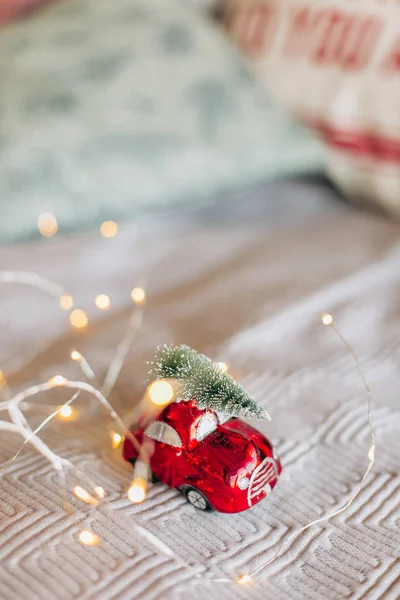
point(243, 483)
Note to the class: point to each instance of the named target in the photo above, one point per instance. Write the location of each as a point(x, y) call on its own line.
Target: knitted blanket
point(250, 295)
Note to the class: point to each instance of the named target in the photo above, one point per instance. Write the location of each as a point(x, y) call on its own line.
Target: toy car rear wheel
point(197, 499)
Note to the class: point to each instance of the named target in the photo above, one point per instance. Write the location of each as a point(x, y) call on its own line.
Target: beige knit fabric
point(250, 296)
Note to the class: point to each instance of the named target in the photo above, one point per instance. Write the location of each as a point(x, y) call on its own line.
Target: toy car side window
point(207, 424)
point(170, 436)
point(154, 430)
point(223, 417)
point(162, 432)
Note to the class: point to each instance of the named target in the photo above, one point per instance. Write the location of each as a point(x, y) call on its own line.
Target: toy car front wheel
point(197, 499)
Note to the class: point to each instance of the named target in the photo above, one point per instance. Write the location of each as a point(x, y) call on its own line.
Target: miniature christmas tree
point(201, 380)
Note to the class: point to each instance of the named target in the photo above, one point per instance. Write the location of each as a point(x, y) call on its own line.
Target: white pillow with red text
point(336, 66)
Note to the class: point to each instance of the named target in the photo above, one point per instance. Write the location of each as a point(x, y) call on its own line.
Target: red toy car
point(218, 461)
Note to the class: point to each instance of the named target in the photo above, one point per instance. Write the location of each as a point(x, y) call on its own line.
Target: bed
point(246, 287)
point(227, 222)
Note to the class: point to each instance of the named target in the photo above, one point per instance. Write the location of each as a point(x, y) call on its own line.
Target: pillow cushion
point(335, 65)
point(113, 107)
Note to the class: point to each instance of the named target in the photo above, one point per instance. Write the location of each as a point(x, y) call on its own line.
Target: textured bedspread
point(249, 294)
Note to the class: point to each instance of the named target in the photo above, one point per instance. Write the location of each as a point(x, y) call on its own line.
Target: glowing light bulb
point(75, 355)
point(99, 491)
point(47, 224)
point(327, 319)
point(137, 490)
point(116, 439)
point(138, 295)
point(84, 495)
point(57, 380)
point(2, 379)
point(87, 538)
point(66, 302)
point(109, 229)
point(223, 367)
point(78, 318)
point(65, 411)
point(102, 302)
point(161, 392)
point(244, 579)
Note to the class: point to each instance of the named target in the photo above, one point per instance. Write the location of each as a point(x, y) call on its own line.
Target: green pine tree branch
point(201, 380)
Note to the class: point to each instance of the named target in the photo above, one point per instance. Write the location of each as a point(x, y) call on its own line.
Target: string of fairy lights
point(157, 395)
point(48, 227)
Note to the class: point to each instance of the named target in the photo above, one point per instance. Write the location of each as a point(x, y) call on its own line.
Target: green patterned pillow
point(108, 108)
